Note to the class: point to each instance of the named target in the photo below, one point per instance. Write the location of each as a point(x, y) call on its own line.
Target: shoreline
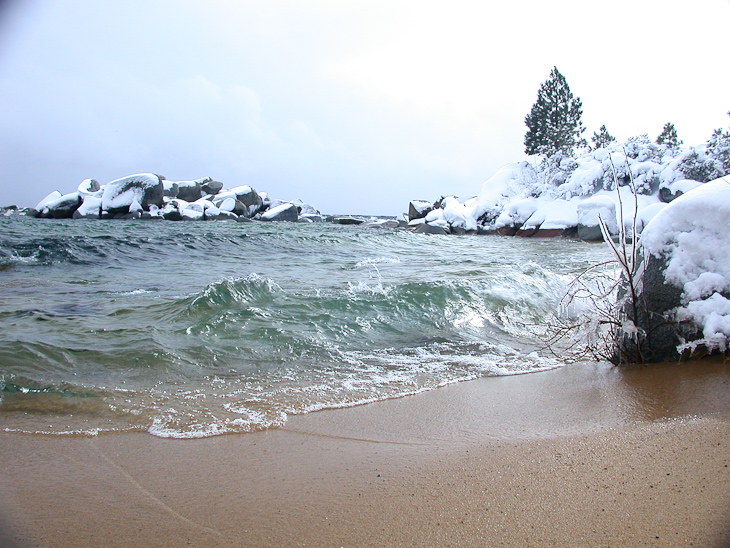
point(578, 456)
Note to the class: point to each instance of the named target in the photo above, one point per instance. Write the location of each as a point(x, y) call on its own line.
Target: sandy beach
point(580, 456)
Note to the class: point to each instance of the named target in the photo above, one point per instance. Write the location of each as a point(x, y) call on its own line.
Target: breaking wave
point(185, 332)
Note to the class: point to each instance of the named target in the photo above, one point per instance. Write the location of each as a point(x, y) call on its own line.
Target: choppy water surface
point(195, 329)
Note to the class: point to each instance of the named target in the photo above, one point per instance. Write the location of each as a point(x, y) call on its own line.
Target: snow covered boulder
point(509, 182)
point(170, 189)
point(89, 209)
point(89, 186)
point(347, 220)
point(193, 212)
point(172, 211)
point(425, 228)
point(418, 209)
point(685, 295)
point(674, 190)
point(226, 204)
point(252, 201)
point(61, 208)
point(460, 217)
point(283, 212)
point(38, 209)
point(211, 187)
point(145, 188)
point(189, 191)
point(589, 212)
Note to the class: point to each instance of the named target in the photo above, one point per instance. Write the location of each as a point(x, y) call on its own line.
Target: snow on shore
point(564, 193)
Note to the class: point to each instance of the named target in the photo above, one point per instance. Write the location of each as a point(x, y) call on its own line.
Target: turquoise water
point(195, 329)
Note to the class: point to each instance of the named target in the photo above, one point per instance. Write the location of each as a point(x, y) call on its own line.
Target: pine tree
point(603, 138)
point(554, 123)
point(669, 137)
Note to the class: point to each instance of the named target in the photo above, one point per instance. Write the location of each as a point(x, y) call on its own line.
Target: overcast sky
point(352, 106)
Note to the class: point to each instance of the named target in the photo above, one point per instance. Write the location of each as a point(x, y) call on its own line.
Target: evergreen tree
point(669, 137)
point(603, 138)
point(554, 123)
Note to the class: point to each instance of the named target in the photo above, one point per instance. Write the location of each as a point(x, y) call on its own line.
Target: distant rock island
point(152, 197)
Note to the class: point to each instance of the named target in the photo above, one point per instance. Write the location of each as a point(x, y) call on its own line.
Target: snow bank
point(563, 192)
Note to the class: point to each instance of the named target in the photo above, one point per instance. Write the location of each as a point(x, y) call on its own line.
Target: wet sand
point(581, 456)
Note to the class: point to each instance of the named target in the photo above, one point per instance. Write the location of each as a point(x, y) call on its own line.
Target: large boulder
point(37, 211)
point(251, 199)
point(211, 187)
point(589, 212)
point(227, 204)
point(418, 209)
point(170, 189)
point(172, 211)
point(89, 209)
point(89, 186)
point(193, 212)
point(63, 207)
point(305, 208)
point(144, 188)
point(283, 212)
point(674, 190)
point(683, 300)
point(347, 220)
point(425, 228)
point(190, 191)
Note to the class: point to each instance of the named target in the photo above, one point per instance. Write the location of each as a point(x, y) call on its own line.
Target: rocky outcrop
point(150, 197)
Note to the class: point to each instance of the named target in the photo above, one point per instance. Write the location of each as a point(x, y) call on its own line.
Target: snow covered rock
point(426, 228)
point(459, 216)
point(170, 189)
point(172, 211)
point(90, 208)
point(311, 217)
point(347, 220)
point(686, 283)
point(52, 197)
point(145, 188)
point(676, 189)
point(589, 211)
point(418, 209)
point(193, 212)
point(61, 208)
point(189, 191)
point(284, 212)
point(211, 187)
point(227, 204)
point(89, 186)
point(251, 200)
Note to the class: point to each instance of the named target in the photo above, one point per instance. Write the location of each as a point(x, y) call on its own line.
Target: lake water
point(194, 329)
